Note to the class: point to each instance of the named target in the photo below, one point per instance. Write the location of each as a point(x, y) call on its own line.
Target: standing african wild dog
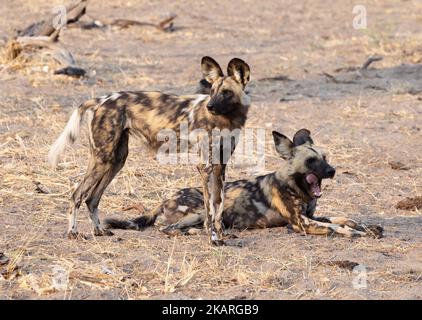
point(287, 196)
point(112, 118)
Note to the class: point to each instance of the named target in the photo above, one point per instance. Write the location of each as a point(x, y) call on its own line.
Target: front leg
point(310, 226)
point(291, 210)
point(340, 220)
point(213, 189)
point(373, 231)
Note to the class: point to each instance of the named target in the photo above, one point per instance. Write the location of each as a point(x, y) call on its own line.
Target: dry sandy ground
point(365, 119)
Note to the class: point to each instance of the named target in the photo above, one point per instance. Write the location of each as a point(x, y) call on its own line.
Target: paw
point(171, 231)
point(228, 235)
point(217, 242)
point(356, 234)
point(193, 232)
point(103, 232)
point(74, 235)
point(375, 231)
point(360, 228)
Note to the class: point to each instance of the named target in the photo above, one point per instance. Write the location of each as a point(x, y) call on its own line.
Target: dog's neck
point(231, 121)
point(238, 117)
point(294, 181)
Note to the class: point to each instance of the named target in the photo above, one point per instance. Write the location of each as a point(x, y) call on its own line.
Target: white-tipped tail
point(67, 137)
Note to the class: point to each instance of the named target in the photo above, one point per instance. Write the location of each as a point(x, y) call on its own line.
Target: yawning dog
point(285, 197)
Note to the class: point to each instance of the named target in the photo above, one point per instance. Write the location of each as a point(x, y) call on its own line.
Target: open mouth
point(314, 184)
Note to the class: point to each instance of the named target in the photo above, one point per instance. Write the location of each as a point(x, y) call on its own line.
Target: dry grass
point(363, 130)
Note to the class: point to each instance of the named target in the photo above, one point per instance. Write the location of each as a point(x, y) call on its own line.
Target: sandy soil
point(304, 57)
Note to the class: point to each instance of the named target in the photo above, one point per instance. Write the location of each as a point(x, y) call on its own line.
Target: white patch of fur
point(72, 129)
point(128, 123)
point(72, 228)
point(182, 208)
point(211, 202)
point(112, 97)
point(213, 236)
point(260, 206)
point(199, 99)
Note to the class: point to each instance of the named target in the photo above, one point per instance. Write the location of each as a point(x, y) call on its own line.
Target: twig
point(276, 78)
point(335, 80)
point(370, 61)
point(166, 285)
point(137, 206)
point(39, 188)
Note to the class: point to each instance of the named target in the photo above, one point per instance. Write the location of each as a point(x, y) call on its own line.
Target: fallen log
point(50, 47)
point(165, 25)
point(48, 27)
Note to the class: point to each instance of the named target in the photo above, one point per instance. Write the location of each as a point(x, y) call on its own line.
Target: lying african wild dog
point(287, 196)
point(112, 118)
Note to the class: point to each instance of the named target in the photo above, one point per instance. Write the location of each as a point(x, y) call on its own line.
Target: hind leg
point(185, 224)
point(93, 174)
point(94, 197)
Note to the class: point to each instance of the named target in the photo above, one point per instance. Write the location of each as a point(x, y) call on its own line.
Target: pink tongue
point(313, 182)
point(311, 178)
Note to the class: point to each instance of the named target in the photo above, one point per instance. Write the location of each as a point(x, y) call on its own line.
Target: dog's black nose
point(330, 172)
point(210, 107)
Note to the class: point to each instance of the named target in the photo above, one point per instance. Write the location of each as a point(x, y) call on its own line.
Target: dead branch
point(39, 188)
point(345, 264)
point(363, 67)
point(49, 47)
point(165, 25)
point(410, 203)
point(370, 60)
point(71, 71)
point(44, 35)
point(46, 28)
point(335, 80)
point(276, 78)
point(55, 49)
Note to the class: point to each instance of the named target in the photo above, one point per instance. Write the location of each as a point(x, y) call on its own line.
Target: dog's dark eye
point(311, 160)
point(227, 93)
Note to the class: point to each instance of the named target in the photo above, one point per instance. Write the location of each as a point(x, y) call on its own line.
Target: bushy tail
point(70, 132)
point(139, 223)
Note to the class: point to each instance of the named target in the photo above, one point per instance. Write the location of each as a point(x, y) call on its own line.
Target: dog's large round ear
point(239, 71)
point(283, 145)
point(211, 70)
point(301, 137)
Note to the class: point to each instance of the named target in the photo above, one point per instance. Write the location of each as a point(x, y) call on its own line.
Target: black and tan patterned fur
point(277, 199)
point(112, 119)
